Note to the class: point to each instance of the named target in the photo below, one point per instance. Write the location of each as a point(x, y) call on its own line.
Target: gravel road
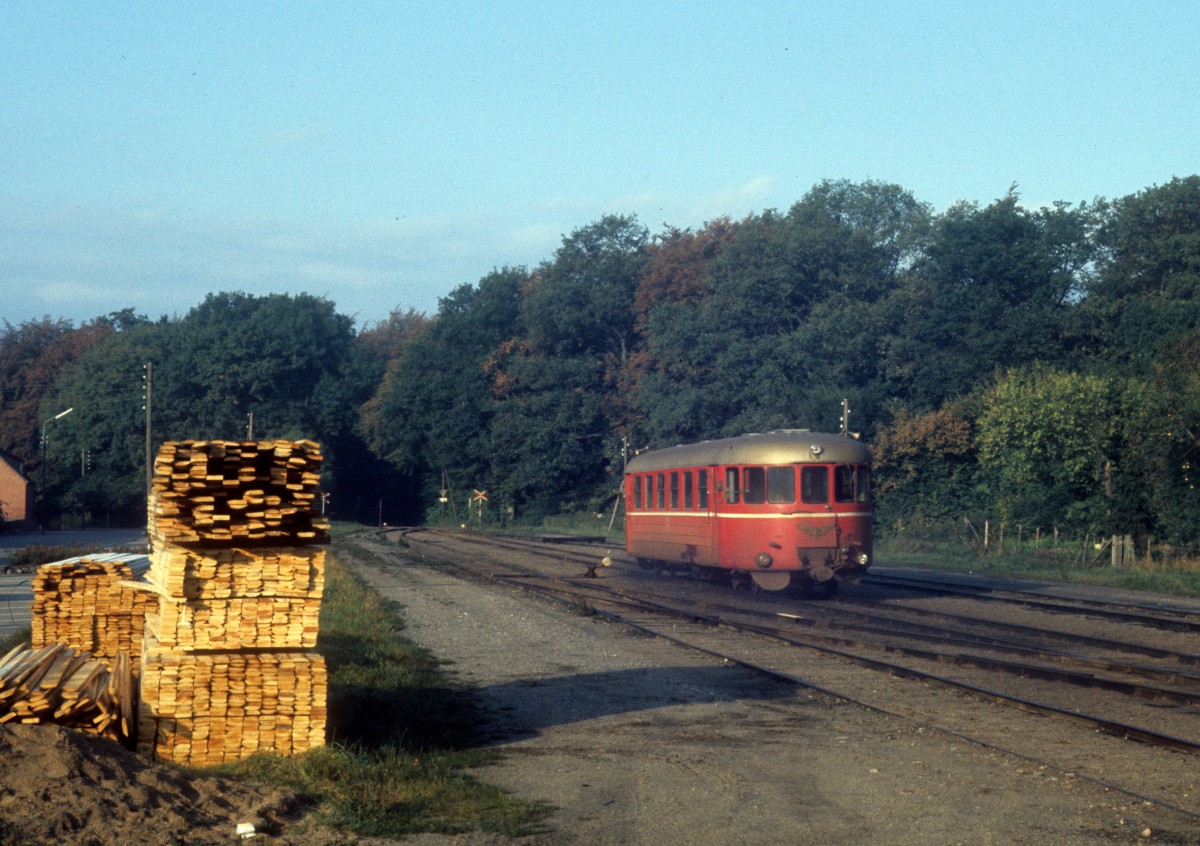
point(637, 741)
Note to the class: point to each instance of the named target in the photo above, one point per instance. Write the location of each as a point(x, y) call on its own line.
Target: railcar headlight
point(864, 559)
point(764, 560)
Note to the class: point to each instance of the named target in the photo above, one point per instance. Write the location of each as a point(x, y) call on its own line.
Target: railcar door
point(706, 500)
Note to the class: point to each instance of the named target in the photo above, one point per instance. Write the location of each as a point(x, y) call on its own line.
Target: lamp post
point(42, 485)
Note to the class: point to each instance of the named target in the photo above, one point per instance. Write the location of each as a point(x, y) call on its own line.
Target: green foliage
point(1146, 292)
point(290, 361)
point(994, 288)
point(431, 415)
point(926, 466)
point(581, 301)
point(1048, 441)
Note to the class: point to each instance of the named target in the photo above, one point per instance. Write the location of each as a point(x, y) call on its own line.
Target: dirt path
point(636, 741)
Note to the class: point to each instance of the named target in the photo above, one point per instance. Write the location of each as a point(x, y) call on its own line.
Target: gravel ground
point(637, 741)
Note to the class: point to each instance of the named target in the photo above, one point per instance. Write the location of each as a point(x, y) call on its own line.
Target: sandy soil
point(60, 786)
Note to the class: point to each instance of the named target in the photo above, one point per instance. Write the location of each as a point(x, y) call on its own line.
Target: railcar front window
point(814, 484)
point(702, 489)
point(781, 485)
point(754, 480)
point(731, 484)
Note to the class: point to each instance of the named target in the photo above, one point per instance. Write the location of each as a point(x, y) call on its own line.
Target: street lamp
point(58, 416)
point(42, 485)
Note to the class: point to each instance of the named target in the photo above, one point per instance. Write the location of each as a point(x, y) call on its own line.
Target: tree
point(272, 356)
point(32, 356)
point(1167, 456)
point(547, 443)
point(1146, 291)
point(99, 451)
point(995, 289)
point(580, 302)
point(926, 465)
point(1052, 445)
point(289, 361)
point(791, 323)
point(432, 414)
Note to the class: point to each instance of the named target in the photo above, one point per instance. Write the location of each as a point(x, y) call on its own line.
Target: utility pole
point(149, 458)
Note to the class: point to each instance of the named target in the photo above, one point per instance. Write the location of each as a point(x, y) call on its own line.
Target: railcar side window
point(781, 485)
point(851, 484)
point(864, 484)
point(814, 484)
point(754, 479)
point(649, 490)
point(843, 483)
point(662, 490)
point(731, 484)
point(687, 489)
point(637, 492)
point(702, 489)
point(674, 490)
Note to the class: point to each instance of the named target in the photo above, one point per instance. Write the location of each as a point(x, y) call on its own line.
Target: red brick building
point(16, 490)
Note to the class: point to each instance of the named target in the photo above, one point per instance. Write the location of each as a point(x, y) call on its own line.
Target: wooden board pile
point(227, 666)
point(60, 685)
point(228, 491)
point(86, 603)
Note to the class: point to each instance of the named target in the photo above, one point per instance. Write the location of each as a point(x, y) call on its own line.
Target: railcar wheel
point(646, 564)
point(776, 581)
point(830, 588)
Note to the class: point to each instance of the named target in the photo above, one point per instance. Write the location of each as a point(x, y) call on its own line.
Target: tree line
point(1039, 365)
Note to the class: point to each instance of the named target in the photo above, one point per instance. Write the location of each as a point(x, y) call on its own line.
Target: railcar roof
point(785, 446)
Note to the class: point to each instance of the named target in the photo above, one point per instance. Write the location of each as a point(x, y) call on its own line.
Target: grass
point(1033, 566)
point(400, 755)
point(21, 637)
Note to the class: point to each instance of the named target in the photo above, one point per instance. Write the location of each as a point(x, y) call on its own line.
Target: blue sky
point(382, 154)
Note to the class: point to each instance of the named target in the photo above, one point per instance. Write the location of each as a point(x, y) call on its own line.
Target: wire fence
point(996, 537)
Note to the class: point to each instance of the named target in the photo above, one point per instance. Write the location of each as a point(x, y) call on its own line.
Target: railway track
point(910, 661)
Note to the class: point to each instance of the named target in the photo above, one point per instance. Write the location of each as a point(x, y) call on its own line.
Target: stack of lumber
point(230, 491)
point(254, 598)
point(59, 685)
point(86, 603)
point(227, 666)
point(220, 707)
point(297, 571)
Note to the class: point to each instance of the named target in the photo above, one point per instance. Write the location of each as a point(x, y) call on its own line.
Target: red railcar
point(789, 507)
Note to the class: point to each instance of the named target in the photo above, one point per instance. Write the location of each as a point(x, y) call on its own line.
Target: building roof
point(17, 465)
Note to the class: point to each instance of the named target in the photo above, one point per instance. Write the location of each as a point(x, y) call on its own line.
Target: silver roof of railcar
point(785, 446)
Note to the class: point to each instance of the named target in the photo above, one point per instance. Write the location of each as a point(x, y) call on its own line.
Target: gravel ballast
point(635, 740)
